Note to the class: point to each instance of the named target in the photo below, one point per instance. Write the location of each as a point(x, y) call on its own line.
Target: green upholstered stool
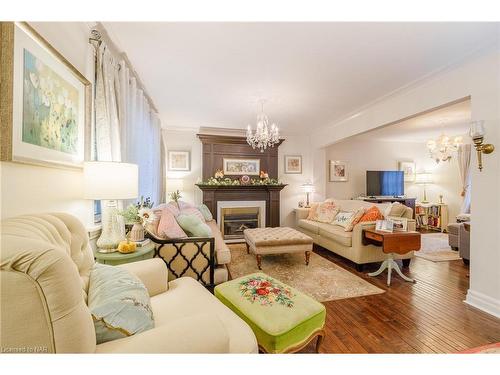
point(283, 319)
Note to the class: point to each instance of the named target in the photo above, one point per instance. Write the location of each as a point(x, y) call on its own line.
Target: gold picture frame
point(49, 139)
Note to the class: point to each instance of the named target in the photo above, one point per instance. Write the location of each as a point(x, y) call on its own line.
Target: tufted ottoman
point(283, 319)
point(263, 241)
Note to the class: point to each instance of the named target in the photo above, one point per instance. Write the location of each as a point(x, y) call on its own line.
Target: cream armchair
point(45, 266)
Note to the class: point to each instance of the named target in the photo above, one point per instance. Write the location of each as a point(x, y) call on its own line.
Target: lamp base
point(112, 231)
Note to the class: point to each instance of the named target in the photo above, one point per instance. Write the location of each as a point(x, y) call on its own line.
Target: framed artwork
point(339, 171)
point(240, 167)
point(400, 224)
point(293, 164)
point(46, 101)
point(409, 169)
point(179, 161)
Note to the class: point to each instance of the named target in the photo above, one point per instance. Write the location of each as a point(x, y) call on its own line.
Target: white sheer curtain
point(141, 136)
point(126, 127)
point(463, 157)
point(107, 145)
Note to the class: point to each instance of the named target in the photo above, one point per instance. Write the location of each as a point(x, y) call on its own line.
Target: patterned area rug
point(435, 248)
point(321, 279)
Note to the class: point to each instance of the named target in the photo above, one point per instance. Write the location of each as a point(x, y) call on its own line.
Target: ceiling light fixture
point(442, 148)
point(263, 136)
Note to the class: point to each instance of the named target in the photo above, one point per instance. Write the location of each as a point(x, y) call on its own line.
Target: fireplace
point(236, 216)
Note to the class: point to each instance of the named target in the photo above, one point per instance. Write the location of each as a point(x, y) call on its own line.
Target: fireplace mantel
point(268, 193)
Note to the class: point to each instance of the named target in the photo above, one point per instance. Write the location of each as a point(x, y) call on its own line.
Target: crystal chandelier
point(442, 148)
point(263, 136)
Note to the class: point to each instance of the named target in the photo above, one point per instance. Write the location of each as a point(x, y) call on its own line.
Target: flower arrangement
point(140, 212)
point(266, 291)
point(176, 196)
point(212, 181)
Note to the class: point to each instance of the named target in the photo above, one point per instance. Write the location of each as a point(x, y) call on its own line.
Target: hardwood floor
point(426, 317)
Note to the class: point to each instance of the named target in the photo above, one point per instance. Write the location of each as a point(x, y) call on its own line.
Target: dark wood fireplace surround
point(214, 149)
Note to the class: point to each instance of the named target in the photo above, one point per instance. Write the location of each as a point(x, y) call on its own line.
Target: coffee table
point(392, 243)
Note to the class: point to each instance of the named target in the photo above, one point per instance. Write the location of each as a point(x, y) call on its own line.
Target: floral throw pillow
point(326, 212)
point(312, 211)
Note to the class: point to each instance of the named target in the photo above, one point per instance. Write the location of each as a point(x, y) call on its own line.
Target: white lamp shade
point(423, 178)
point(308, 188)
point(110, 180)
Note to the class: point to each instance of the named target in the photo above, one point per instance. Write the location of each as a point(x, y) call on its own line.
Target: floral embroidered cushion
point(119, 303)
point(343, 218)
point(312, 211)
point(372, 214)
point(280, 316)
point(324, 212)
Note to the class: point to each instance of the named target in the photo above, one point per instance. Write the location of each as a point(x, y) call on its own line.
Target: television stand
point(408, 202)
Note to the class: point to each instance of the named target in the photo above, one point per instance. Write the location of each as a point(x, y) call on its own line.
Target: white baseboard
point(483, 302)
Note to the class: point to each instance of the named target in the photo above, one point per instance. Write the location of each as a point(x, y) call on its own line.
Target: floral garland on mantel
point(212, 181)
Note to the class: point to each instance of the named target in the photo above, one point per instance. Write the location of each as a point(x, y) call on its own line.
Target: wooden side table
point(392, 243)
point(116, 258)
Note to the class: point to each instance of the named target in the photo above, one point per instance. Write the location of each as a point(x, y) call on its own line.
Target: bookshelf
point(432, 216)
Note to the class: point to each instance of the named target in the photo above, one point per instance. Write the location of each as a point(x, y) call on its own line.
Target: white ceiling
point(212, 74)
point(452, 120)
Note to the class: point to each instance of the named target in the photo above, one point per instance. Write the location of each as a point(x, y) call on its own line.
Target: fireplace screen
point(236, 219)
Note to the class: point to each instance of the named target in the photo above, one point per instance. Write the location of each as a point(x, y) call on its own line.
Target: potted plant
point(139, 215)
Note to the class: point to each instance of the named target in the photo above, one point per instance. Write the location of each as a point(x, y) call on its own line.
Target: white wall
point(33, 189)
point(479, 78)
point(364, 155)
point(184, 140)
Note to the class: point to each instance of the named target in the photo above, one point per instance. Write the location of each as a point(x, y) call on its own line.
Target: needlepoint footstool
point(283, 319)
point(264, 241)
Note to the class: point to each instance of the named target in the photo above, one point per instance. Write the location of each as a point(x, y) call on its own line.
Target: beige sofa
point(349, 244)
point(45, 265)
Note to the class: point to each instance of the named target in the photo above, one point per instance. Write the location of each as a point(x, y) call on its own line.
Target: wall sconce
point(477, 133)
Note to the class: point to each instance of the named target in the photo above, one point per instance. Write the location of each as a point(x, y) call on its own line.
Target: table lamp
point(424, 179)
point(308, 188)
point(109, 181)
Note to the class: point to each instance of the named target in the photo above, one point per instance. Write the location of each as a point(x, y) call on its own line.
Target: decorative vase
point(137, 232)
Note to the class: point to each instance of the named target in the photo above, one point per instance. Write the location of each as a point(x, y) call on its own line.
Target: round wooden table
point(116, 258)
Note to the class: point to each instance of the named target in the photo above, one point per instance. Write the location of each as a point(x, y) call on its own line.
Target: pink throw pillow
point(168, 226)
point(173, 209)
point(193, 211)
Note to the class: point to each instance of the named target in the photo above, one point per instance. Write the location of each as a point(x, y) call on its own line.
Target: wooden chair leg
point(319, 342)
point(308, 256)
point(259, 261)
point(248, 248)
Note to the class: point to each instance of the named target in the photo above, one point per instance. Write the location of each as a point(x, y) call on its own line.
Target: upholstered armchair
point(45, 267)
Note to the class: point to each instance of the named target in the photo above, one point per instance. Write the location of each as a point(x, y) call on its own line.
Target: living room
point(317, 200)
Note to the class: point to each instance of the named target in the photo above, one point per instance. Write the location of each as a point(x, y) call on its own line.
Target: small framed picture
point(384, 226)
point(241, 167)
point(339, 171)
point(408, 168)
point(179, 161)
point(293, 164)
point(400, 224)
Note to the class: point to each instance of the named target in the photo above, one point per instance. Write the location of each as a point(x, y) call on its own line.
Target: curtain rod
point(96, 39)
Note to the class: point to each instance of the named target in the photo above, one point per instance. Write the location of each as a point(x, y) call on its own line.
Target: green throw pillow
point(119, 303)
point(193, 225)
point(205, 212)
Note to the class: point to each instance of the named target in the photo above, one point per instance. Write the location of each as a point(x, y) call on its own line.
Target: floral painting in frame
point(293, 164)
point(408, 168)
point(240, 167)
point(47, 120)
point(339, 171)
point(179, 161)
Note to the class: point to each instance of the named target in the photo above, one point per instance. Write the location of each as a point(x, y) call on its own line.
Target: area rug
point(321, 279)
point(434, 247)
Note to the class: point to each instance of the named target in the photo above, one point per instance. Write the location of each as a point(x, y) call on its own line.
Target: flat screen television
point(384, 183)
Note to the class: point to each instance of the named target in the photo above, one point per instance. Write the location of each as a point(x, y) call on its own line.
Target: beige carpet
point(321, 279)
point(435, 248)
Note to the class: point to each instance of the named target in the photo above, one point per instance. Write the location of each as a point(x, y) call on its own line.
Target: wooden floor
point(426, 317)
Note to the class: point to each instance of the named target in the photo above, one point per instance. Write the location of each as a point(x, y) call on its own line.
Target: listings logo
point(24, 349)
